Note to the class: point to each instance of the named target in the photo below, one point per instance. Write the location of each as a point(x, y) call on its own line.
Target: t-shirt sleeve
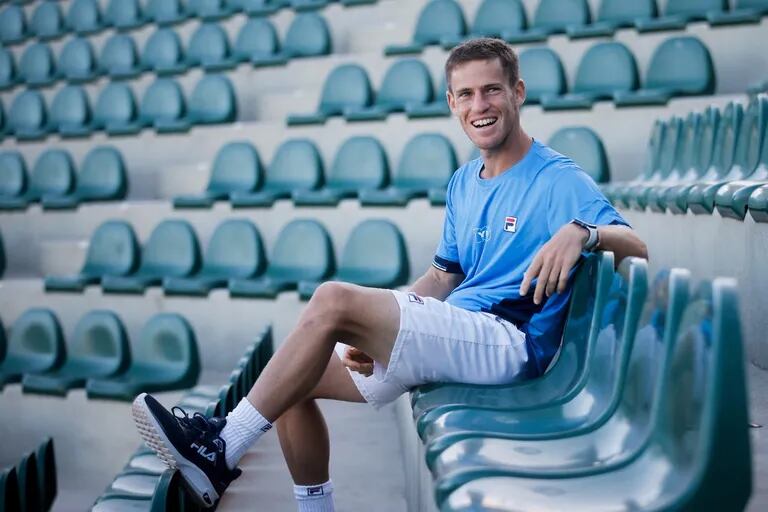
point(447, 255)
point(574, 195)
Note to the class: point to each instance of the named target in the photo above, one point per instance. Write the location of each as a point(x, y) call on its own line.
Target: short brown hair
point(484, 48)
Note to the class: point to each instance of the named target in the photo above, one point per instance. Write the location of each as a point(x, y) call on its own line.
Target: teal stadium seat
point(36, 345)
point(47, 21)
point(52, 175)
point(47, 480)
point(406, 83)
point(125, 14)
point(346, 87)
point(146, 494)
point(584, 147)
point(84, 17)
point(295, 166)
point(8, 76)
point(615, 14)
point(553, 17)
point(236, 168)
point(77, 62)
point(37, 66)
point(593, 82)
point(13, 25)
point(744, 11)
point(213, 101)
point(568, 374)
point(164, 358)
point(494, 18)
point(758, 204)
point(212, 9)
point(308, 5)
point(70, 114)
point(119, 57)
point(209, 48)
point(543, 74)
point(426, 164)
point(2, 271)
point(261, 7)
point(163, 54)
point(171, 251)
point(116, 112)
point(102, 177)
point(678, 13)
point(439, 21)
point(27, 119)
point(9, 490)
point(374, 255)
point(732, 198)
point(438, 107)
point(13, 175)
point(308, 36)
point(112, 250)
point(303, 252)
point(235, 251)
point(98, 349)
point(163, 107)
point(257, 43)
point(166, 12)
point(698, 455)
point(28, 475)
point(680, 66)
point(360, 164)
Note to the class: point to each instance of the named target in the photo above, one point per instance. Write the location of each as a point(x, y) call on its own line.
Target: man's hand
point(358, 361)
point(554, 261)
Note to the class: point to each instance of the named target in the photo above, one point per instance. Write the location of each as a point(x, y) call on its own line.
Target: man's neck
point(498, 160)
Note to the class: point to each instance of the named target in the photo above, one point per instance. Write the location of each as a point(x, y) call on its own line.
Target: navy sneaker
point(190, 444)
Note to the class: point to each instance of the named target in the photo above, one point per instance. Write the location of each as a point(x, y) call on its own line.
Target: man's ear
point(520, 92)
point(450, 99)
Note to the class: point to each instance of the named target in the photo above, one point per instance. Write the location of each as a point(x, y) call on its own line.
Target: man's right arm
point(436, 283)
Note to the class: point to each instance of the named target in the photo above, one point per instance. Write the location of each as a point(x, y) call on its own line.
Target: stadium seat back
point(439, 19)
point(124, 14)
point(13, 174)
point(683, 65)
point(690, 141)
point(53, 174)
point(296, 165)
point(113, 250)
point(303, 252)
point(47, 482)
point(584, 147)
point(235, 250)
point(163, 101)
point(375, 253)
point(559, 14)
point(542, 72)
point(29, 493)
point(102, 174)
point(592, 75)
point(671, 146)
point(47, 21)
point(209, 45)
point(172, 250)
point(9, 490)
point(705, 142)
point(28, 112)
point(695, 8)
point(37, 65)
point(257, 37)
point(726, 139)
point(162, 50)
point(70, 108)
point(210, 9)
point(36, 343)
point(116, 105)
point(13, 24)
point(346, 86)
point(77, 60)
point(428, 161)
point(213, 100)
point(164, 12)
point(84, 16)
point(360, 163)
point(119, 56)
point(308, 36)
point(237, 166)
point(7, 69)
point(407, 81)
point(495, 17)
point(167, 346)
point(751, 136)
point(99, 346)
point(621, 11)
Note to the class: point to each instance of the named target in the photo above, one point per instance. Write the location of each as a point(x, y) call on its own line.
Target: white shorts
point(438, 342)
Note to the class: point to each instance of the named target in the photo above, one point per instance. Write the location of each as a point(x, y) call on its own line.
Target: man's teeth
point(484, 122)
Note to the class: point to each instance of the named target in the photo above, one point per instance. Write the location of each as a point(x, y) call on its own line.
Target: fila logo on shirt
point(510, 224)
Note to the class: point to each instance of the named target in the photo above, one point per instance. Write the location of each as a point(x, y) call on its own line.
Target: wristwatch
point(593, 240)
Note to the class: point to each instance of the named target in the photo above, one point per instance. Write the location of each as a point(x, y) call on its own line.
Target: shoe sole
point(195, 479)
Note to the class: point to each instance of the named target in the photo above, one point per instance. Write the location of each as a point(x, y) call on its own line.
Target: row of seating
point(163, 53)
point(442, 22)
point(146, 483)
point(99, 356)
point(711, 160)
point(679, 66)
point(56, 184)
point(301, 259)
point(31, 484)
point(647, 399)
point(163, 108)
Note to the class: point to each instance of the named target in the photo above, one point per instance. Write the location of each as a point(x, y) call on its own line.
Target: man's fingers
point(541, 285)
point(554, 277)
point(531, 274)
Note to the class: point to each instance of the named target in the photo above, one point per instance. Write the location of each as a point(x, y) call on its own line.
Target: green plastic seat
point(359, 164)
point(295, 166)
point(98, 349)
point(28, 116)
point(212, 9)
point(744, 11)
point(236, 168)
point(347, 87)
point(427, 163)
point(46, 475)
point(303, 252)
point(698, 455)
point(112, 250)
point(493, 18)
point(84, 17)
point(680, 66)
point(308, 5)
point(77, 62)
point(678, 13)
point(615, 14)
point(308, 35)
point(167, 495)
point(47, 21)
point(37, 66)
point(584, 147)
point(235, 251)
point(171, 251)
point(28, 478)
point(163, 107)
point(116, 111)
point(13, 175)
point(213, 101)
point(406, 83)
point(553, 17)
point(102, 177)
point(558, 385)
point(52, 176)
point(758, 204)
point(209, 48)
point(374, 255)
point(70, 113)
point(8, 72)
point(257, 42)
point(261, 7)
point(166, 12)
point(439, 21)
point(543, 74)
point(125, 14)
point(36, 345)
point(119, 57)
point(163, 53)
point(438, 107)
point(593, 83)
point(13, 25)
point(9, 490)
point(165, 358)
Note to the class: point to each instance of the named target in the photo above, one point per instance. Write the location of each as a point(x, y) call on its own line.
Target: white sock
point(314, 498)
point(245, 425)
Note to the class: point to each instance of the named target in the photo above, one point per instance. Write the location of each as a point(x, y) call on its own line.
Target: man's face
point(485, 103)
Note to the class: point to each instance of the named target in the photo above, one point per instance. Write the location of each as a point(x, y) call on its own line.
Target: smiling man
point(489, 310)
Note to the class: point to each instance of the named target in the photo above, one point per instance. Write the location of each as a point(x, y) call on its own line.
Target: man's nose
point(479, 103)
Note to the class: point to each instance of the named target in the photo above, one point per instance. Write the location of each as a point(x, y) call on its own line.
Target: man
point(490, 310)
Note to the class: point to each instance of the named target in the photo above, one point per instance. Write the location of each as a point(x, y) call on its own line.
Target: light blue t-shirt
point(494, 228)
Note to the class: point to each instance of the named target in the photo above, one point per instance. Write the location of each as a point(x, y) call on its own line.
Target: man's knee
point(330, 308)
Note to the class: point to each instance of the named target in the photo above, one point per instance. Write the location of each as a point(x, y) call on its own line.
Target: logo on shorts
point(510, 224)
point(412, 297)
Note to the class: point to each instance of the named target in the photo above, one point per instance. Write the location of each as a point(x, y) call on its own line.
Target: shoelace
point(200, 424)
